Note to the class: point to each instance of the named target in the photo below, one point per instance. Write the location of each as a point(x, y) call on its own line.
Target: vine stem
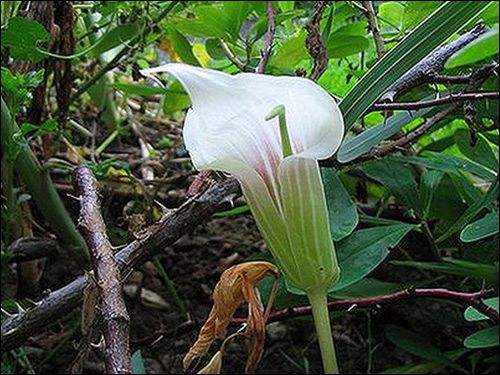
point(321, 316)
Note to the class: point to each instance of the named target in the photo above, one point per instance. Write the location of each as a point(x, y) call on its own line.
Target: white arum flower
point(269, 133)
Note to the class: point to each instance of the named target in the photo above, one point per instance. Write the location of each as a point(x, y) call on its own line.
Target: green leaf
point(364, 142)
point(417, 345)
point(291, 52)
point(22, 37)
point(455, 267)
point(436, 29)
point(472, 212)
point(480, 152)
point(426, 367)
point(472, 315)
point(364, 250)
point(115, 37)
point(369, 288)
point(233, 211)
point(448, 164)
point(417, 11)
point(137, 363)
point(141, 90)
point(182, 47)
point(481, 48)
point(482, 228)
point(174, 100)
point(398, 179)
point(485, 338)
point(391, 13)
point(428, 185)
point(343, 45)
point(286, 6)
point(342, 211)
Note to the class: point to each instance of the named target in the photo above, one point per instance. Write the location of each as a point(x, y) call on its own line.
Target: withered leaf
point(236, 285)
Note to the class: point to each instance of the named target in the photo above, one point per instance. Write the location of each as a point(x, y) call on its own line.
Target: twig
point(473, 299)
point(314, 43)
point(428, 68)
point(15, 330)
point(268, 45)
point(381, 151)
point(372, 21)
point(112, 304)
point(453, 98)
point(30, 248)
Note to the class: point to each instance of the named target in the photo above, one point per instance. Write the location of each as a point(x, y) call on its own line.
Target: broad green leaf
point(481, 48)
point(480, 152)
point(369, 288)
point(482, 228)
point(448, 164)
point(137, 363)
point(391, 13)
point(417, 345)
point(416, 11)
point(455, 267)
point(485, 338)
point(286, 6)
point(343, 45)
point(22, 37)
point(398, 179)
point(428, 185)
point(115, 37)
point(364, 250)
point(364, 142)
point(141, 90)
point(342, 211)
point(182, 47)
point(291, 52)
point(175, 101)
point(436, 29)
point(472, 212)
point(473, 315)
point(427, 367)
point(214, 49)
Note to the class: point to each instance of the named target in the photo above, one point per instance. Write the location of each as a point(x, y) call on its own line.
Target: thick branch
point(112, 304)
point(30, 248)
point(473, 299)
point(17, 329)
point(454, 98)
point(430, 67)
point(271, 29)
point(372, 21)
point(314, 42)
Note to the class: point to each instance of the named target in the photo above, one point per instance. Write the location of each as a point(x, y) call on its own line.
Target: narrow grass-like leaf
point(432, 32)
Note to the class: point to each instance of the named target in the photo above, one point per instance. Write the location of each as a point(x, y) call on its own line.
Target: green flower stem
point(279, 111)
point(318, 301)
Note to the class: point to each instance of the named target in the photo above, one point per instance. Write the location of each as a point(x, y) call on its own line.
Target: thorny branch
point(268, 45)
point(18, 328)
point(315, 44)
point(112, 304)
point(473, 299)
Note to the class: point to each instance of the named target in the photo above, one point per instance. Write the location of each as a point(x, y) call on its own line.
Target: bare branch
point(271, 29)
point(373, 22)
point(473, 299)
point(314, 42)
point(424, 71)
point(112, 304)
point(454, 98)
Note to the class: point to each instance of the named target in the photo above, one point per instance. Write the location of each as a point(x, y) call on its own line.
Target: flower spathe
point(226, 129)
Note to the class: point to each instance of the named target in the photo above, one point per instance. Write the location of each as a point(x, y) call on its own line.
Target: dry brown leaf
point(214, 366)
point(236, 285)
point(255, 332)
